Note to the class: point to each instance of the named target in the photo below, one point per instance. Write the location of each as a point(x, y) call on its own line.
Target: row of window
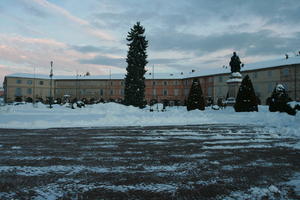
point(285, 72)
point(165, 92)
point(29, 82)
point(254, 75)
point(18, 91)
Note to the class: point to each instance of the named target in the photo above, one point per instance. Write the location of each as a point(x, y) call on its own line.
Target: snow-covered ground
point(112, 114)
point(219, 147)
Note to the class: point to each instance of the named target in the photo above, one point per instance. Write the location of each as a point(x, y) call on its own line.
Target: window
point(101, 92)
point(29, 82)
point(176, 92)
point(122, 83)
point(165, 82)
point(270, 73)
point(175, 82)
point(186, 91)
point(121, 91)
point(285, 72)
point(220, 79)
point(286, 86)
point(111, 92)
point(41, 82)
point(165, 92)
point(256, 89)
point(29, 91)
point(186, 82)
point(154, 92)
point(18, 92)
point(209, 91)
point(270, 87)
point(254, 75)
point(111, 83)
point(153, 83)
point(18, 81)
point(219, 91)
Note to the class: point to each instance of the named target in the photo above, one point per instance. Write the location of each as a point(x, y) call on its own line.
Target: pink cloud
point(23, 54)
point(88, 27)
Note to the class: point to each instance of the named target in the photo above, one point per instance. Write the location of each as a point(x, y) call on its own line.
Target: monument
point(234, 80)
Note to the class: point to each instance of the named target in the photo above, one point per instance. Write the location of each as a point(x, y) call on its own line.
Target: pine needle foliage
point(195, 99)
point(246, 100)
point(134, 93)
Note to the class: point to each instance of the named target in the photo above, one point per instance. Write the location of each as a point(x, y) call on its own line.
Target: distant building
point(161, 87)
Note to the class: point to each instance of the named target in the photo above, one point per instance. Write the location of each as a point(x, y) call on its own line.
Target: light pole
point(51, 75)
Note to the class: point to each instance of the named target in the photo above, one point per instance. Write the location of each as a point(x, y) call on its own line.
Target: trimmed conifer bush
point(246, 100)
point(195, 99)
point(279, 101)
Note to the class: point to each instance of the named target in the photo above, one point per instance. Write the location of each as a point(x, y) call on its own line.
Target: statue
point(235, 63)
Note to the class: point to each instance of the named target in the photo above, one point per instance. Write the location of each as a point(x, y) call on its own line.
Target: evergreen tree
point(279, 101)
point(136, 62)
point(195, 99)
point(246, 100)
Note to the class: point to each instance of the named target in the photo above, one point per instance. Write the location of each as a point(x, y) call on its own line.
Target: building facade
point(173, 88)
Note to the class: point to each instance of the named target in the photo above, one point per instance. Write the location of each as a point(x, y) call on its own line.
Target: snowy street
point(217, 161)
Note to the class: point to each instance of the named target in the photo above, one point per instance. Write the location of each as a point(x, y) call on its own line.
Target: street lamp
point(51, 75)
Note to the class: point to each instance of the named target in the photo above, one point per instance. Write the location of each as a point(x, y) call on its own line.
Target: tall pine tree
point(246, 100)
point(136, 62)
point(195, 99)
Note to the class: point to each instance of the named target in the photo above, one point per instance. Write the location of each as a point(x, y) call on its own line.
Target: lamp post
point(51, 75)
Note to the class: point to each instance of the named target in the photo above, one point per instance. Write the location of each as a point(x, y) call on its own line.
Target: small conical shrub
point(246, 100)
point(279, 101)
point(195, 99)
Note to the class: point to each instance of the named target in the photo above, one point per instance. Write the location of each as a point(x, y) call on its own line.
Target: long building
point(159, 87)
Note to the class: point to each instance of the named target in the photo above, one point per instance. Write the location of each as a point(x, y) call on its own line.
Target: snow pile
point(112, 114)
point(272, 192)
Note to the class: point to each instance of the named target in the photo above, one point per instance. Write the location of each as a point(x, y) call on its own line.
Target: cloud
point(98, 49)
point(22, 54)
point(50, 7)
point(104, 60)
point(263, 42)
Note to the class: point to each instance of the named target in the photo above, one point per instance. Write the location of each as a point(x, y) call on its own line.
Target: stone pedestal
point(233, 83)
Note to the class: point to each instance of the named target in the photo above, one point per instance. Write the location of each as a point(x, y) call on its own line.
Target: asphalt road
point(172, 162)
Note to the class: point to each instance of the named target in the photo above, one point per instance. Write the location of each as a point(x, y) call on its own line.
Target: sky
point(90, 36)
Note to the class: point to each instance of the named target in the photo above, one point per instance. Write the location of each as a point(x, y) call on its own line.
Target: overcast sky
point(90, 35)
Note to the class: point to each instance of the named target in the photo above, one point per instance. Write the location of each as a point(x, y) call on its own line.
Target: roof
point(96, 77)
point(250, 66)
point(149, 75)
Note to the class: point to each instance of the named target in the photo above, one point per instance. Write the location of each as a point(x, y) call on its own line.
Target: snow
point(271, 192)
point(295, 182)
point(293, 104)
point(234, 80)
point(279, 88)
point(236, 75)
point(113, 114)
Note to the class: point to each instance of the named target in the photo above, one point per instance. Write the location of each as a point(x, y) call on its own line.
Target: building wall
point(97, 89)
point(264, 81)
point(174, 90)
point(220, 86)
point(26, 87)
point(165, 89)
point(290, 78)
